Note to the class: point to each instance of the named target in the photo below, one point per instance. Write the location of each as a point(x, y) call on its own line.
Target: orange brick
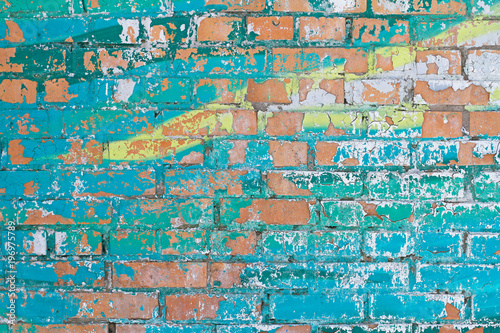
point(428, 62)
point(325, 152)
point(288, 153)
point(226, 275)
point(466, 93)
point(442, 124)
point(217, 29)
point(269, 91)
point(485, 123)
point(357, 6)
point(18, 91)
point(270, 28)
point(244, 122)
point(322, 29)
point(284, 123)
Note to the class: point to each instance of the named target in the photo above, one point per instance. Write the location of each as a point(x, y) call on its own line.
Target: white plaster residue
point(442, 64)
point(439, 85)
point(124, 90)
point(39, 243)
point(130, 31)
point(483, 65)
point(340, 6)
point(61, 238)
point(395, 7)
point(319, 97)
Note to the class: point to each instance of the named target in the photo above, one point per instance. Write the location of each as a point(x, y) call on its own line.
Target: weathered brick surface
point(249, 166)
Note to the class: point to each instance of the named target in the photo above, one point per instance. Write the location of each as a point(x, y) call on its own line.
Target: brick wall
point(247, 166)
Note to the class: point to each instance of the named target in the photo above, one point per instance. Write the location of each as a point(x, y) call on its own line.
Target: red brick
point(287, 154)
point(322, 28)
point(269, 91)
point(272, 211)
point(18, 91)
point(472, 94)
point(485, 123)
point(333, 87)
point(270, 28)
point(442, 124)
point(284, 123)
point(57, 91)
point(325, 152)
point(160, 275)
point(115, 305)
point(217, 29)
point(226, 275)
point(426, 57)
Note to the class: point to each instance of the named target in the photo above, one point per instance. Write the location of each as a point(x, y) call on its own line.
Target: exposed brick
point(484, 123)
point(322, 29)
point(218, 29)
point(442, 124)
point(269, 91)
point(270, 28)
point(159, 274)
point(288, 153)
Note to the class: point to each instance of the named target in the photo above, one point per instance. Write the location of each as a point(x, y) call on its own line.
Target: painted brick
point(453, 92)
point(407, 7)
point(326, 307)
point(318, 184)
point(322, 29)
point(31, 243)
point(78, 243)
point(266, 212)
point(178, 242)
point(60, 273)
point(125, 243)
point(439, 62)
point(418, 307)
point(154, 328)
point(269, 91)
point(165, 212)
point(377, 31)
point(312, 6)
point(218, 308)
point(385, 245)
point(59, 328)
point(484, 248)
point(234, 243)
point(159, 274)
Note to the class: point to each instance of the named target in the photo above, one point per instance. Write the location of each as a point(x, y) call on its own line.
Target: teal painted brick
point(367, 154)
point(33, 124)
point(438, 153)
point(116, 30)
point(484, 248)
point(63, 212)
point(166, 213)
point(64, 29)
point(363, 276)
point(263, 328)
point(85, 242)
point(373, 214)
point(24, 242)
point(473, 217)
point(380, 328)
point(210, 183)
point(380, 31)
point(122, 7)
point(440, 247)
point(106, 183)
point(160, 328)
point(457, 277)
point(60, 273)
point(256, 154)
point(384, 245)
point(417, 307)
point(47, 60)
point(221, 61)
point(344, 307)
point(425, 186)
point(336, 185)
point(8, 212)
point(486, 307)
point(458, 328)
point(28, 27)
point(127, 243)
point(50, 7)
point(184, 242)
point(38, 153)
point(233, 243)
point(17, 184)
point(320, 245)
point(485, 186)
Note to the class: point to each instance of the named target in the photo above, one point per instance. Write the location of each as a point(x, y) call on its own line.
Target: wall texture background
point(242, 166)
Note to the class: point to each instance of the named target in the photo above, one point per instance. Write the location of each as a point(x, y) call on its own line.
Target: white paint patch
point(39, 243)
point(124, 90)
point(130, 31)
point(61, 238)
